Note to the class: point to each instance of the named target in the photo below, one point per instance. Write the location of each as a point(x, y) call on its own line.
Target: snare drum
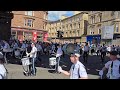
point(25, 61)
point(52, 61)
point(17, 53)
point(7, 50)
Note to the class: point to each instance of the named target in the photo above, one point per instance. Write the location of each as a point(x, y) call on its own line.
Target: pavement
point(16, 72)
point(15, 68)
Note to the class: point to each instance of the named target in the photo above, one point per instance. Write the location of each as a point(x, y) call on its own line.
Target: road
point(16, 71)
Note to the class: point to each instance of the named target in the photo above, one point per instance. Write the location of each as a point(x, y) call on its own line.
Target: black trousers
point(98, 51)
point(119, 52)
point(85, 56)
point(38, 55)
point(103, 54)
point(58, 63)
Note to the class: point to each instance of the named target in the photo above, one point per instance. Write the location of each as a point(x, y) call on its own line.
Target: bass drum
point(69, 48)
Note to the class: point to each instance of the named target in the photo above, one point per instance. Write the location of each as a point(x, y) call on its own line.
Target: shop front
point(25, 34)
point(93, 39)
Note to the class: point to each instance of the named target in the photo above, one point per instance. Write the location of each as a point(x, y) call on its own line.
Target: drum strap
point(2, 76)
point(79, 72)
point(119, 69)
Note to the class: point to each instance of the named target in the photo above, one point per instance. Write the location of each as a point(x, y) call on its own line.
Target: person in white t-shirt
point(109, 49)
point(58, 56)
point(33, 55)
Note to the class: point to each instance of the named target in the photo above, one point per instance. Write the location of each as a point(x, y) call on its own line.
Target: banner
point(34, 36)
point(107, 32)
point(45, 37)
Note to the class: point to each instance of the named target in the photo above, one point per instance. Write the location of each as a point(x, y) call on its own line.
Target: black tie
point(73, 67)
point(112, 67)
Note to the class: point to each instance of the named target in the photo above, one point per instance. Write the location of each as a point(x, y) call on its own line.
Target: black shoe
point(25, 73)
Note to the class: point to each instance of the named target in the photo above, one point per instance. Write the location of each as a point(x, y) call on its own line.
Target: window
point(78, 33)
point(117, 28)
point(45, 16)
point(70, 26)
point(90, 31)
point(100, 17)
point(99, 31)
point(66, 27)
point(79, 25)
point(28, 22)
point(29, 13)
point(74, 25)
point(25, 22)
point(94, 19)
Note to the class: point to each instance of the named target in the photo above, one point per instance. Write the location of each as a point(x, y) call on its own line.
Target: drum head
point(25, 61)
point(17, 53)
point(70, 48)
point(52, 61)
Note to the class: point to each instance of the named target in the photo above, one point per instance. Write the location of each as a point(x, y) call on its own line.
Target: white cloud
point(55, 15)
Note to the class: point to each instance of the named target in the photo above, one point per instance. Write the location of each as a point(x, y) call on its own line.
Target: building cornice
point(28, 29)
point(30, 16)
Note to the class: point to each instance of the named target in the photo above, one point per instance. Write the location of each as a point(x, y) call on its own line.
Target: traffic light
point(60, 34)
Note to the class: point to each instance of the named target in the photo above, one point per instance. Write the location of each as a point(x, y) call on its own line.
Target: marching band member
point(3, 71)
point(103, 52)
point(86, 53)
point(58, 55)
point(77, 70)
point(33, 55)
point(113, 67)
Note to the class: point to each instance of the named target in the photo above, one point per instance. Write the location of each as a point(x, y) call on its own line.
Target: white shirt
point(6, 46)
point(15, 46)
point(59, 52)
point(2, 71)
point(39, 48)
point(23, 46)
point(113, 49)
point(104, 49)
point(115, 74)
point(33, 52)
point(53, 47)
point(78, 70)
point(118, 48)
point(86, 48)
point(109, 48)
point(26, 45)
point(77, 47)
point(98, 47)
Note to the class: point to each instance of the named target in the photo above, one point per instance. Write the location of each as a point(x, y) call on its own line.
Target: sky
point(55, 15)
